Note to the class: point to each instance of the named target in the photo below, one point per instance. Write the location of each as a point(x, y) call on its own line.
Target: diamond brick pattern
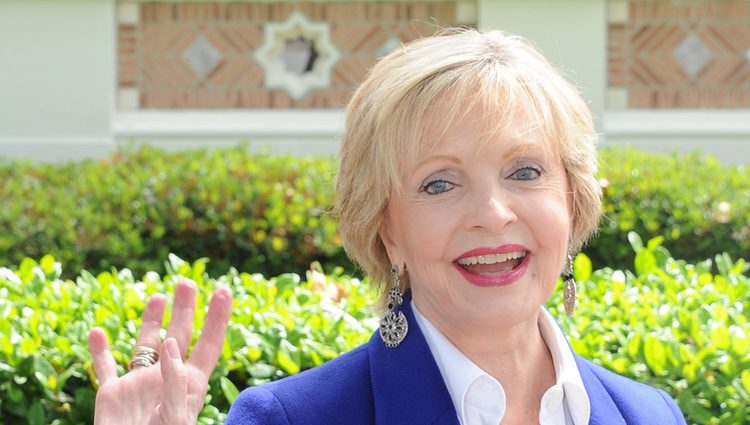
point(202, 56)
point(671, 54)
point(692, 55)
point(153, 53)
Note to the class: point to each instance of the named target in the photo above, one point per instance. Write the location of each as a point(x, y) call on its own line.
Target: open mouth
point(494, 269)
point(492, 263)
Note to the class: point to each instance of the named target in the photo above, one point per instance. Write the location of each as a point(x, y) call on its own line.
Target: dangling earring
point(393, 326)
point(569, 292)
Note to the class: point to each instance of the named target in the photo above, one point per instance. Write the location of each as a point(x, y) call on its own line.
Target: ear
point(570, 199)
point(386, 235)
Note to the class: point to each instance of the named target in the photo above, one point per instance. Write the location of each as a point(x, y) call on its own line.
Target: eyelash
point(426, 187)
point(537, 170)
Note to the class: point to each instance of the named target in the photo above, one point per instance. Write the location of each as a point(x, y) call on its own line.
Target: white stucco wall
point(58, 86)
point(572, 34)
point(57, 78)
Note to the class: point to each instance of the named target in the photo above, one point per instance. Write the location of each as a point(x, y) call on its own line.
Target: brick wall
point(679, 54)
point(153, 39)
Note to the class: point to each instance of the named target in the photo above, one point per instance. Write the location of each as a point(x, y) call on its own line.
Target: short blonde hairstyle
point(454, 71)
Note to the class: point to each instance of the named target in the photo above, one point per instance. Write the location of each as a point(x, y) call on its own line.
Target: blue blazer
point(373, 384)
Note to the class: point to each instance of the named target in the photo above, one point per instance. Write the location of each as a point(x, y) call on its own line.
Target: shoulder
point(338, 391)
point(638, 402)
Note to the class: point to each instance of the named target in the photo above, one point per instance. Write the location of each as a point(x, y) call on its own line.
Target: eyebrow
point(515, 150)
point(519, 148)
point(450, 158)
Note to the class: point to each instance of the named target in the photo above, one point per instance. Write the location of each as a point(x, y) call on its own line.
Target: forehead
point(482, 130)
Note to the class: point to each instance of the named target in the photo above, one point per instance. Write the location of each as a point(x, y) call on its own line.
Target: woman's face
point(482, 227)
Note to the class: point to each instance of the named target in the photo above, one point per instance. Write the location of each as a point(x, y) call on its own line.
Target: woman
point(466, 184)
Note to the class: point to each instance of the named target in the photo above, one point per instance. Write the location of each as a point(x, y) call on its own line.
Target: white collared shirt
point(479, 398)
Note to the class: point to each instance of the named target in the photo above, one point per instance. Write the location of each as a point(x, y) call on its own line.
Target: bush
point(255, 212)
point(279, 327)
point(268, 214)
point(697, 204)
point(670, 324)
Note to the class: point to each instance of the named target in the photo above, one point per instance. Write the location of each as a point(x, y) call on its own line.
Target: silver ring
point(143, 356)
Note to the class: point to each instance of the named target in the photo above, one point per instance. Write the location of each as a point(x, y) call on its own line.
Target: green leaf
point(635, 241)
point(582, 268)
point(655, 242)
point(261, 370)
point(745, 376)
point(48, 264)
point(634, 346)
point(287, 282)
point(645, 262)
point(695, 411)
point(199, 267)
point(720, 337)
point(229, 389)
point(175, 263)
point(285, 357)
point(655, 354)
point(724, 264)
point(36, 414)
point(44, 372)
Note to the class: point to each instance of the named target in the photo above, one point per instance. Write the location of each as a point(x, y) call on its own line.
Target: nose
point(490, 210)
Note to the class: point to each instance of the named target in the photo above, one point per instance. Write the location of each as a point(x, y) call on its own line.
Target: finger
point(208, 348)
point(183, 311)
point(173, 408)
point(104, 363)
point(151, 323)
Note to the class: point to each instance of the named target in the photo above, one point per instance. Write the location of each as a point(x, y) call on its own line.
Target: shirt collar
point(566, 369)
point(459, 372)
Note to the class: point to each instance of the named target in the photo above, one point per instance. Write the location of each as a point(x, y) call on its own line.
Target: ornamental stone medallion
point(202, 56)
point(692, 55)
point(297, 55)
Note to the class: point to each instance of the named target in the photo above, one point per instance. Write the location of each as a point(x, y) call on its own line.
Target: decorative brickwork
point(679, 54)
point(201, 55)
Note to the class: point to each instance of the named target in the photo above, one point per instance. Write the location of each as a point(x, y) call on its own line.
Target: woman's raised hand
point(170, 391)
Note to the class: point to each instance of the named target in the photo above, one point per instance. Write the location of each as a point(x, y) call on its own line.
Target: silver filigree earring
point(393, 326)
point(569, 292)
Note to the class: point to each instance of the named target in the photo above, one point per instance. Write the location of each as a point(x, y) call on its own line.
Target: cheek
point(549, 221)
point(427, 231)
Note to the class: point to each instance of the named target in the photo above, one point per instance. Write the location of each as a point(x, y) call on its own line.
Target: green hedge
point(255, 212)
point(671, 324)
point(279, 327)
point(268, 214)
point(699, 205)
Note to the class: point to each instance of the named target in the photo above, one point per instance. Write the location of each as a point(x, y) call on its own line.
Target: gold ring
point(143, 356)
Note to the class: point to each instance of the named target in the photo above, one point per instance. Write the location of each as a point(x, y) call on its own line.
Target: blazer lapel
point(409, 389)
point(406, 382)
point(603, 408)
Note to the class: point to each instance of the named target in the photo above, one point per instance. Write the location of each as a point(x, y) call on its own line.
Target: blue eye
point(437, 186)
point(526, 173)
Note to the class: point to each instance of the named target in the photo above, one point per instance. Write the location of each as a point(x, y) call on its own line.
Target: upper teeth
point(491, 258)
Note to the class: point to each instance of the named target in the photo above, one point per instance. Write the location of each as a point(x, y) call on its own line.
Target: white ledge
point(724, 134)
point(315, 122)
point(691, 123)
point(301, 132)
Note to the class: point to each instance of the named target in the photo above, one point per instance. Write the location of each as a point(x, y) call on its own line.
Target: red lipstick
point(493, 279)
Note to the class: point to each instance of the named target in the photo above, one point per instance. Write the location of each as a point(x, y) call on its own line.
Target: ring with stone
point(143, 356)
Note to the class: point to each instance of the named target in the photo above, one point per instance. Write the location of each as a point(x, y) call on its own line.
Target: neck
point(515, 354)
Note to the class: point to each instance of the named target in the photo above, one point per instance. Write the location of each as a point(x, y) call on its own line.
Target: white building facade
point(79, 78)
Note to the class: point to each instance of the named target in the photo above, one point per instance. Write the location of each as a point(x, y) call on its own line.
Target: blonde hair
point(456, 70)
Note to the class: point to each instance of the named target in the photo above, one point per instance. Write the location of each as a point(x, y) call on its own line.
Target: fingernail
point(174, 351)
